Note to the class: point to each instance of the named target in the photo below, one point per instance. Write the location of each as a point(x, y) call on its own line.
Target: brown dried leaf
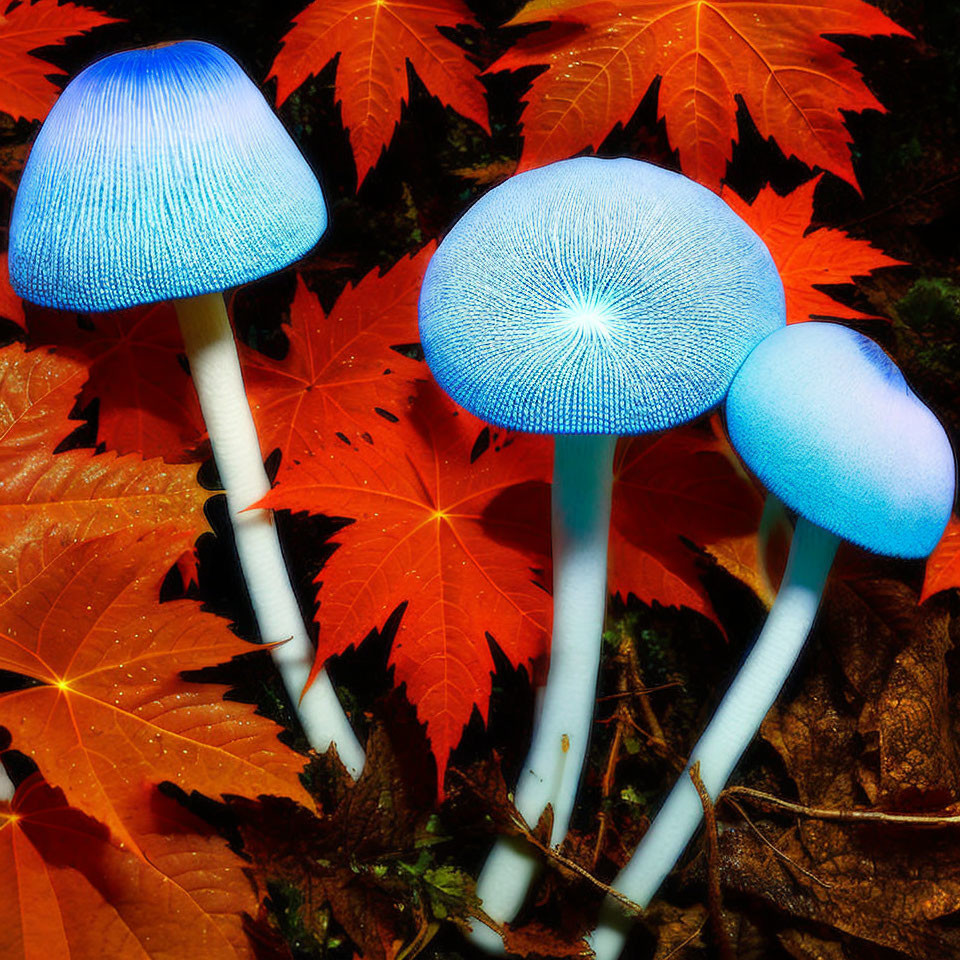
point(918, 758)
point(679, 929)
point(884, 887)
point(871, 717)
point(361, 857)
point(803, 945)
point(817, 741)
point(537, 940)
point(866, 621)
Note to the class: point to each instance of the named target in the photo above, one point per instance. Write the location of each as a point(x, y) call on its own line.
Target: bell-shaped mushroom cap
point(159, 173)
point(825, 419)
point(596, 296)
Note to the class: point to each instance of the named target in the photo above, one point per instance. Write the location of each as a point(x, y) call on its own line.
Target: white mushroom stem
point(215, 368)
point(752, 693)
point(582, 487)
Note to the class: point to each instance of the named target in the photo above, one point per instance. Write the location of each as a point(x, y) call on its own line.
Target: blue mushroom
point(587, 299)
point(826, 420)
point(162, 174)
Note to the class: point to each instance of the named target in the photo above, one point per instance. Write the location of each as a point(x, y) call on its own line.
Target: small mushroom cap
point(159, 173)
point(596, 296)
point(826, 420)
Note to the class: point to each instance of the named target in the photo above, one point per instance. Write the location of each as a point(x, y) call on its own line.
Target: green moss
point(926, 319)
point(286, 906)
point(931, 305)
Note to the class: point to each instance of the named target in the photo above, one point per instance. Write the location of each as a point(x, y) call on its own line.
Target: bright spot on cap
point(159, 173)
point(825, 419)
point(596, 296)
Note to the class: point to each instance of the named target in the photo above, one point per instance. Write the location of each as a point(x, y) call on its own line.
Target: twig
point(661, 746)
point(575, 867)
point(646, 708)
point(639, 693)
point(631, 687)
point(426, 931)
point(609, 774)
point(944, 181)
point(766, 801)
point(714, 895)
point(675, 952)
point(776, 850)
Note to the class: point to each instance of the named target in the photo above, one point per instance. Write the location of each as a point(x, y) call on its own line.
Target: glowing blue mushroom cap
point(826, 420)
point(596, 296)
point(159, 173)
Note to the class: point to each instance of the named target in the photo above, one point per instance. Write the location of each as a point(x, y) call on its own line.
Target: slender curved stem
point(752, 693)
point(774, 517)
point(582, 487)
point(215, 367)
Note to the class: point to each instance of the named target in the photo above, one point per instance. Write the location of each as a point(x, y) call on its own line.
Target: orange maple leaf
point(69, 891)
point(25, 90)
point(604, 54)
point(110, 712)
point(81, 493)
point(943, 565)
point(374, 40)
point(11, 306)
point(148, 403)
point(805, 260)
point(460, 538)
point(336, 373)
point(682, 483)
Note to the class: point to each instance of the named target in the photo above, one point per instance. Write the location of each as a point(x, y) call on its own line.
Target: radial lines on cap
point(585, 319)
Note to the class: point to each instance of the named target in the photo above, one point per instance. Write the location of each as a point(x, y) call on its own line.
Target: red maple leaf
point(458, 539)
point(682, 483)
point(25, 90)
point(70, 891)
point(374, 40)
point(148, 403)
point(943, 565)
point(806, 260)
point(604, 54)
point(11, 306)
point(337, 371)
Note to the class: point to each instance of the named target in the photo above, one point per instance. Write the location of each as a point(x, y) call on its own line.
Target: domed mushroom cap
point(596, 296)
point(825, 419)
point(159, 173)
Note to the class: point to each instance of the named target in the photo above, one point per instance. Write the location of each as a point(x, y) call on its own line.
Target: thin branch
point(609, 777)
point(776, 850)
point(675, 952)
point(944, 181)
point(714, 894)
point(770, 803)
point(639, 693)
point(575, 867)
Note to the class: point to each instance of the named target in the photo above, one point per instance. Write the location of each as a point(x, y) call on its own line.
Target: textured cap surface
point(825, 419)
point(596, 296)
point(159, 173)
